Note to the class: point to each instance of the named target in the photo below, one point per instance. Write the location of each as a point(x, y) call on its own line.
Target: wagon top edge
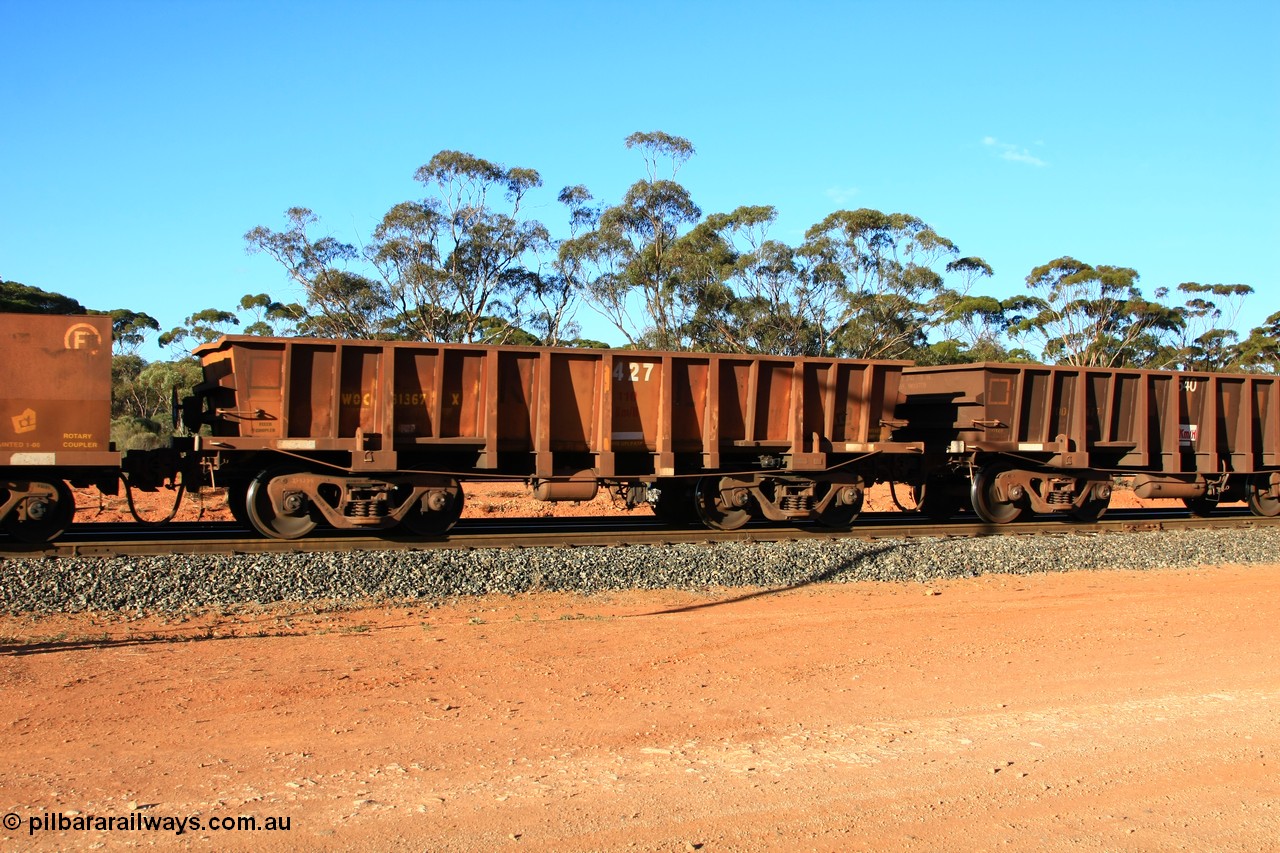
point(983, 366)
point(226, 342)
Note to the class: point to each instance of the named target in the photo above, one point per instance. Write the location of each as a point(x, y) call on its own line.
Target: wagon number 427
point(620, 373)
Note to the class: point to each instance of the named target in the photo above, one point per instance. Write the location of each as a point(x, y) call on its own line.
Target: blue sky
point(141, 140)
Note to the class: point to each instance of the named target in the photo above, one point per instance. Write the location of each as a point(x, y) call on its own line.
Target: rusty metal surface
point(225, 539)
point(544, 412)
point(1119, 420)
point(55, 391)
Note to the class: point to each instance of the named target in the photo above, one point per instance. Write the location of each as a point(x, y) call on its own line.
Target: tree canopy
point(17, 298)
point(465, 260)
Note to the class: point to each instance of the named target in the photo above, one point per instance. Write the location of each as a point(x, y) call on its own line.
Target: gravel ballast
point(184, 583)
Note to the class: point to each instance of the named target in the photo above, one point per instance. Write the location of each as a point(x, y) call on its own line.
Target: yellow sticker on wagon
point(25, 422)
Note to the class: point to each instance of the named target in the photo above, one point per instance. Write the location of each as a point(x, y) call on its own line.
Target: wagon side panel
point(55, 390)
point(312, 391)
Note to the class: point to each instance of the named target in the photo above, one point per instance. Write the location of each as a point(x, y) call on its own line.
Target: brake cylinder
point(579, 486)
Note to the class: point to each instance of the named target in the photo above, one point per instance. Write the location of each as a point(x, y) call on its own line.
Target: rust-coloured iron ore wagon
point(367, 434)
point(384, 435)
point(1022, 438)
point(55, 419)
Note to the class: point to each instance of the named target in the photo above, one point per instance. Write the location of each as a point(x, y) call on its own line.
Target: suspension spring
point(796, 503)
point(366, 509)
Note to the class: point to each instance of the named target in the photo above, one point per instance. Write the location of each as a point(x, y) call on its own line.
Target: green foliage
point(1207, 340)
point(466, 263)
point(129, 329)
point(971, 328)
point(271, 318)
point(454, 261)
point(201, 327)
point(1093, 316)
point(133, 433)
point(145, 390)
point(656, 145)
point(452, 266)
point(1261, 350)
point(16, 298)
point(876, 273)
point(587, 343)
point(340, 303)
point(630, 254)
point(751, 293)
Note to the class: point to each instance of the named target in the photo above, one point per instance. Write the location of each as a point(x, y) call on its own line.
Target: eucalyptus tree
point(202, 327)
point(142, 393)
point(970, 326)
point(267, 317)
point(1093, 316)
point(628, 257)
point(701, 265)
point(1260, 351)
point(1209, 339)
point(552, 296)
point(340, 302)
point(779, 311)
point(451, 266)
point(751, 294)
point(875, 277)
point(143, 390)
point(18, 298)
point(454, 262)
point(129, 329)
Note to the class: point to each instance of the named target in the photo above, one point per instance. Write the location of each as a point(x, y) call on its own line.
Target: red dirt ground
point(1115, 711)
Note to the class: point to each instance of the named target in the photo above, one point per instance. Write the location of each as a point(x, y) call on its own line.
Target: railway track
point(120, 540)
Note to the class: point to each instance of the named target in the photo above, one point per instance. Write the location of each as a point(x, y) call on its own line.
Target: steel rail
point(111, 540)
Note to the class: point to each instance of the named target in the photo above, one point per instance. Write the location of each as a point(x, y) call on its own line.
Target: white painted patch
point(32, 459)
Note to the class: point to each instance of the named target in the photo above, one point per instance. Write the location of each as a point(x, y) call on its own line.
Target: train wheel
point(238, 503)
point(1091, 510)
point(436, 522)
point(714, 507)
point(1259, 502)
point(1201, 507)
point(988, 503)
point(293, 522)
point(840, 516)
point(46, 520)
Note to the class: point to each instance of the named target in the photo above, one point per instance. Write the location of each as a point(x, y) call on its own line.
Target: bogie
point(36, 511)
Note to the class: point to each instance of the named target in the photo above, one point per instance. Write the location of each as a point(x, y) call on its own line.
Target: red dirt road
point(1089, 711)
